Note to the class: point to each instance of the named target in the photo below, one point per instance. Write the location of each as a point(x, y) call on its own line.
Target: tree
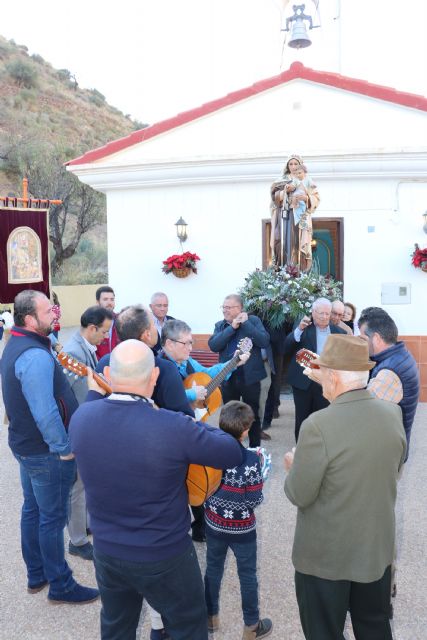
point(82, 208)
point(24, 73)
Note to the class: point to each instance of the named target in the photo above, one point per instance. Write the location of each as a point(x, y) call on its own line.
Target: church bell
point(296, 25)
point(299, 38)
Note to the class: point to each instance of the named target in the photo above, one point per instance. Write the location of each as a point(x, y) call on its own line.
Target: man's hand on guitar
point(243, 358)
point(200, 391)
point(92, 384)
point(313, 374)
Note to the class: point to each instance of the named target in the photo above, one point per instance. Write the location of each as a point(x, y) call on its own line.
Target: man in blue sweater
point(134, 460)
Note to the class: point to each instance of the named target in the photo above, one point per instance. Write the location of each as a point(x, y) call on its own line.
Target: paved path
point(31, 617)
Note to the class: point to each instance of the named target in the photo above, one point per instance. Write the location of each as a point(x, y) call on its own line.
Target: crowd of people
point(114, 463)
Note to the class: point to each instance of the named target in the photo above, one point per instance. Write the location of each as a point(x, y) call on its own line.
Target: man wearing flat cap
point(343, 478)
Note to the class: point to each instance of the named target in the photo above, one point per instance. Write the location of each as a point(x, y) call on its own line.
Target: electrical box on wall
point(395, 293)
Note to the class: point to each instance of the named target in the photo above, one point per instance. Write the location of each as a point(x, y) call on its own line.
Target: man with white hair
point(337, 314)
point(311, 333)
point(134, 461)
point(159, 306)
point(343, 479)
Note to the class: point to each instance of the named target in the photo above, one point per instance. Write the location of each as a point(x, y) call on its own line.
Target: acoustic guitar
point(201, 481)
point(213, 399)
point(305, 358)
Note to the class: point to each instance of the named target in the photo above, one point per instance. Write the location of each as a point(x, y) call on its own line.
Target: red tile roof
point(296, 70)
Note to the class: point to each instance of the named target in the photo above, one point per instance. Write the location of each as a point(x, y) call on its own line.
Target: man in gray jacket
point(95, 324)
point(343, 479)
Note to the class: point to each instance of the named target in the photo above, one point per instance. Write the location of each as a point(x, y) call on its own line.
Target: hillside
point(45, 117)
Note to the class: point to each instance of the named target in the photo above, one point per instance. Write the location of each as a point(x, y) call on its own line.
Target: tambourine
point(264, 459)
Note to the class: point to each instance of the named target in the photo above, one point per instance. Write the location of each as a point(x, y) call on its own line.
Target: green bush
point(96, 97)
point(37, 58)
point(23, 73)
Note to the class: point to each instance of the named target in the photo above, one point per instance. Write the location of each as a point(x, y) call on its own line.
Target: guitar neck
point(80, 369)
point(220, 377)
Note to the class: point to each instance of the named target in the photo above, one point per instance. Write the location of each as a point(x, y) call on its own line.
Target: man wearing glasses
point(159, 307)
point(177, 344)
point(311, 333)
point(245, 383)
point(95, 325)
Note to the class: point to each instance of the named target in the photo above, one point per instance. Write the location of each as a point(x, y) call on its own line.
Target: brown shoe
point(260, 630)
point(213, 623)
point(265, 435)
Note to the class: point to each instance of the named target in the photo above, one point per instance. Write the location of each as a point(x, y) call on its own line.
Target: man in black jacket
point(311, 333)
point(244, 383)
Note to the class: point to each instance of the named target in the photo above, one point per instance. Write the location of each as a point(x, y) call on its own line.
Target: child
point(303, 184)
point(302, 218)
point(230, 522)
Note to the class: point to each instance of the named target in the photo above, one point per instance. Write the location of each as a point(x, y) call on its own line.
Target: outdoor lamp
point(425, 221)
point(181, 230)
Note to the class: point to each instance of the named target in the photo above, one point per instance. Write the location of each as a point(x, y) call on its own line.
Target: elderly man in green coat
point(343, 479)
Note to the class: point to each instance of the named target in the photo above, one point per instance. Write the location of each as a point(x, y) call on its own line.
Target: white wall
point(224, 229)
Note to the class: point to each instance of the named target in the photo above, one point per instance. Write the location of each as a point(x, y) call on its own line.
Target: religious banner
point(24, 259)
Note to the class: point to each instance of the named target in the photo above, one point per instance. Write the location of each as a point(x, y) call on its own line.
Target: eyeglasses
point(235, 306)
point(187, 344)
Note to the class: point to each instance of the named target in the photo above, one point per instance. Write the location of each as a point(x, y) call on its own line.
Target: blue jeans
point(46, 482)
point(245, 554)
point(173, 587)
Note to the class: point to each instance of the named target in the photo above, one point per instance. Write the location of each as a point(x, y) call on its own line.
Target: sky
point(155, 58)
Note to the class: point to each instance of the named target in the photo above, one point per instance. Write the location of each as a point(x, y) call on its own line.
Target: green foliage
point(37, 58)
point(4, 50)
point(96, 97)
point(24, 73)
point(137, 125)
point(280, 295)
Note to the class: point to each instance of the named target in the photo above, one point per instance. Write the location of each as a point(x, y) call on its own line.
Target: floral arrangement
point(183, 261)
point(419, 258)
point(280, 295)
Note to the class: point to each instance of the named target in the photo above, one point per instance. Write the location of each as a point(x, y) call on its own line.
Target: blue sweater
point(133, 460)
point(229, 512)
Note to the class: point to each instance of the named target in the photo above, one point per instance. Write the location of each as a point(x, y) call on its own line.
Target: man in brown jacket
point(343, 479)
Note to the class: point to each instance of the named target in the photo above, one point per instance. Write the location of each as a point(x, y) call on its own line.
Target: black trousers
point(235, 389)
point(273, 398)
point(323, 606)
point(306, 403)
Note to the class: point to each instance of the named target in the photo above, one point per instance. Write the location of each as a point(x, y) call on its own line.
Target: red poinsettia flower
point(185, 260)
point(419, 257)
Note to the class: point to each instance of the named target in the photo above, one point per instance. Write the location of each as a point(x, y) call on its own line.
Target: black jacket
point(253, 370)
point(296, 378)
